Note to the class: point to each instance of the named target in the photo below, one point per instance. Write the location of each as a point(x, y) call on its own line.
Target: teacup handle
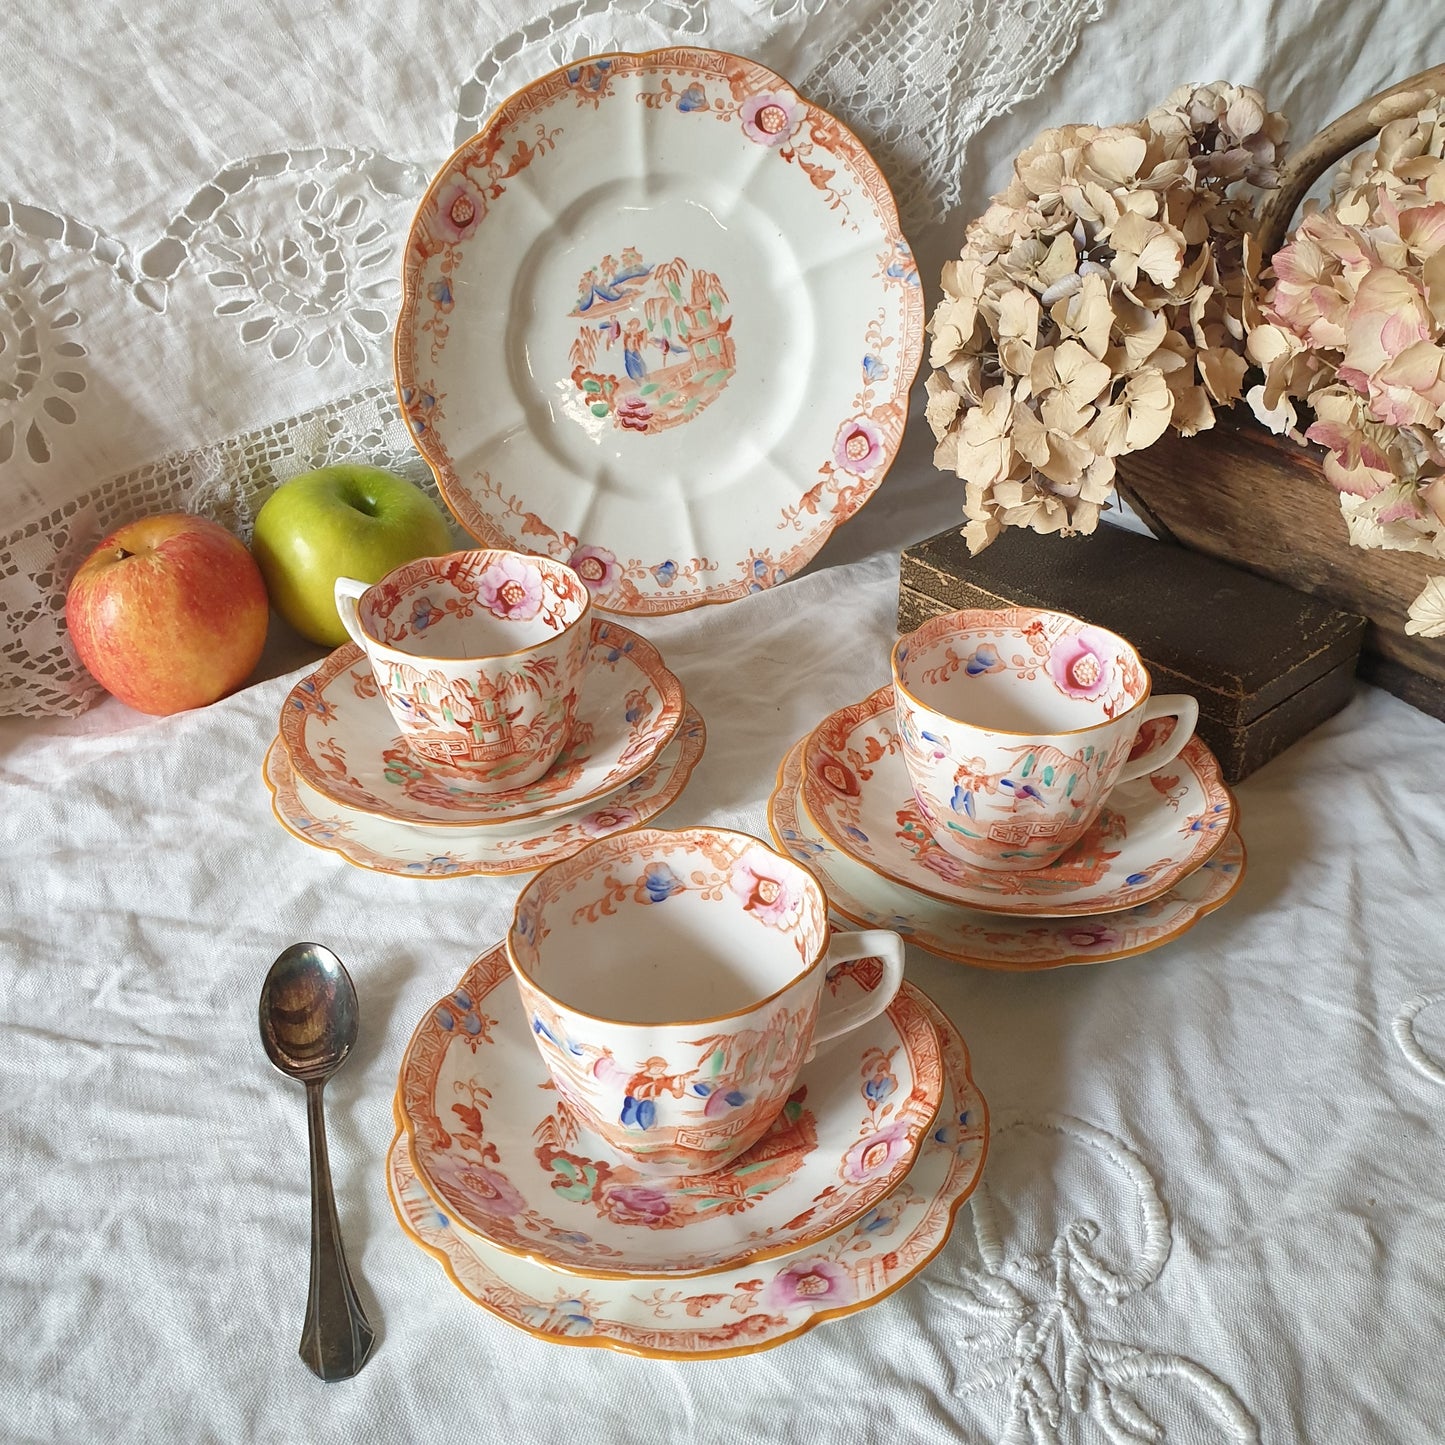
point(1170, 704)
point(845, 947)
point(349, 593)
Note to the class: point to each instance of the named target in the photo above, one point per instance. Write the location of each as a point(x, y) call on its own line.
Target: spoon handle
point(337, 1337)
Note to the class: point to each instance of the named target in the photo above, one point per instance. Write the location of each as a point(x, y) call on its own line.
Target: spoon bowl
point(308, 1012)
point(309, 1019)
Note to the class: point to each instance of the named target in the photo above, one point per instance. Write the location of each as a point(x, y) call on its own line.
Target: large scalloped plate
point(659, 321)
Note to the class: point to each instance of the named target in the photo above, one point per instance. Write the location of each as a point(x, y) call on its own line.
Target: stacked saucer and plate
point(671, 1115)
point(483, 721)
point(1015, 799)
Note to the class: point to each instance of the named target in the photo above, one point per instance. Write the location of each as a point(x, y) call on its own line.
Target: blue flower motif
point(871, 366)
point(538, 1027)
point(441, 293)
point(879, 1087)
point(443, 1016)
point(661, 882)
point(636, 711)
point(693, 98)
point(604, 635)
point(857, 834)
point(962, 801)
point(877, 1218)
point(985, 659)
point(638, 1113)
point(665, 572)
point(1134, 879)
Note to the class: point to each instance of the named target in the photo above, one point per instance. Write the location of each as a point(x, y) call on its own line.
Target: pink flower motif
point(858, 446)
point(817, 1283)
point(512, 588)
point(768, 119)
point(633, 413)
point(636, 1204)
point(945, 865)
point(1080, 665)
point(1090, 936)
point(457, 208)
point(838, 776)
point(489, 1191)
point(596, 566)
point(758, 879)
point(606, 821)
point(875, 1154)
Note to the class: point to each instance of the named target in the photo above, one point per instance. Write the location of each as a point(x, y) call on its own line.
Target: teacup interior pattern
point(655, 926)
point(1021, 670)
point(485, 603)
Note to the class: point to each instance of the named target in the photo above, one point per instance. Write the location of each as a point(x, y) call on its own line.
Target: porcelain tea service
point(1015, 798)
point(483, 721)
point(669, 1076)
point(669, 1113)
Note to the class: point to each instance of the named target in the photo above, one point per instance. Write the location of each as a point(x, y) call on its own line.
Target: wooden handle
point(1333, 143)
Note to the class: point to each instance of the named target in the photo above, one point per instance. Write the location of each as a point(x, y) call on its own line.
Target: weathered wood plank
point(1261, 502)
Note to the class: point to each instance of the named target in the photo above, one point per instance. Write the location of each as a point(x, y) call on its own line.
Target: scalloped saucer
point(743, 1310)
point(387, 847)
point(343, 743)
point(1151, 834)
point(868, 900)
point(495, 1145)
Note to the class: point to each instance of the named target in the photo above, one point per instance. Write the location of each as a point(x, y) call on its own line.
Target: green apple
point(343, 521)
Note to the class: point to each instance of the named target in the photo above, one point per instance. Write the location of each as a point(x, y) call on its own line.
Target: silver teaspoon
point(308, 1020)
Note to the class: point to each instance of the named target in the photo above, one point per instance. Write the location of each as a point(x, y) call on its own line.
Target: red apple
point(168, 613)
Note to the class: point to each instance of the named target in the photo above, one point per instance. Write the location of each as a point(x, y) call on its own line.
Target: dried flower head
point(1098, 301)
point(1353, 325)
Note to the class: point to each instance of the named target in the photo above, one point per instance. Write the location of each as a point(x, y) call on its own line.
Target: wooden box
point(1241, 494)
point(1267, 663)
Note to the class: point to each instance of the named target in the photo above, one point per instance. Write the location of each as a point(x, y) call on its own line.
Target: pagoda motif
point(655, 346)
point(481, 710)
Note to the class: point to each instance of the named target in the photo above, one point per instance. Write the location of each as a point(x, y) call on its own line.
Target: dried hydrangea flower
point(1353, 326)
point(1099, 300)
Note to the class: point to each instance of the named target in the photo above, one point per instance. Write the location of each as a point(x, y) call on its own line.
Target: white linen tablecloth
point(1213, 1192)
point(1212, 1207)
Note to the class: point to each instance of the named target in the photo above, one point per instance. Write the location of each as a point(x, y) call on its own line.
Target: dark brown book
point(1266, 663)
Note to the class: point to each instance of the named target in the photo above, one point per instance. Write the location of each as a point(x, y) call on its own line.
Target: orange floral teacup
point(478, 656)
point(673, 982)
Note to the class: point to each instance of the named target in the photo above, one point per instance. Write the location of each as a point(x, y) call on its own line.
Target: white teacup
point(1016, 726)
point(479, 656)
point(673, 982)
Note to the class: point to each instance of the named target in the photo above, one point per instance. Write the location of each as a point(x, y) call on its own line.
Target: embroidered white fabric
point(198, 285)
point(1209, 1214)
